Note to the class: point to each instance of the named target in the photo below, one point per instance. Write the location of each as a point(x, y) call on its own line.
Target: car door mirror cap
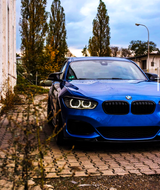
point(55, 76)
point(152, 76)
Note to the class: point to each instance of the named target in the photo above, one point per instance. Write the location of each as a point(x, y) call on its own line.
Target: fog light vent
point(77, 127)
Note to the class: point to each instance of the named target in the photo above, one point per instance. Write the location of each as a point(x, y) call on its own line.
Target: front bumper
point(86, 124)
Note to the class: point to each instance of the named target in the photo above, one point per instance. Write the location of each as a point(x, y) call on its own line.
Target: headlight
point(79, 103)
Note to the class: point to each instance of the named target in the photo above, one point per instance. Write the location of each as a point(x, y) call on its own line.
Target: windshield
point(104, 69)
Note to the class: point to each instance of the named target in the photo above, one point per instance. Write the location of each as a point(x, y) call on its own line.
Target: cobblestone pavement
point(95, 159)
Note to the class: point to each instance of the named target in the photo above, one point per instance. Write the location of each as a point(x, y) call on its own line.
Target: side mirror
point(55, 76)
point(152, 77)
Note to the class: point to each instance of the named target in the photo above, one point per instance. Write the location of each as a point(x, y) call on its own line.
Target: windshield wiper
point(116, 78)
point(111, 78)
point(101, 79)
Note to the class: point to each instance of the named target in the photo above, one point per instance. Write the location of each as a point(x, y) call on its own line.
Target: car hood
point(97, 88)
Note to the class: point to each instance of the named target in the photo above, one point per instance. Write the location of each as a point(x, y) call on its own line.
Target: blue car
point(104, 99)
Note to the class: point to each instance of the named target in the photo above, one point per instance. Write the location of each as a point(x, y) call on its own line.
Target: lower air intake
point(128, 132)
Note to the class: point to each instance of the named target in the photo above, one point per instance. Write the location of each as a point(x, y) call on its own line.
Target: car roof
point(71, 59)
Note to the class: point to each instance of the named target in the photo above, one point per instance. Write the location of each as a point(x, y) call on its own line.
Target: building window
point(143, 64)
point(152, 64)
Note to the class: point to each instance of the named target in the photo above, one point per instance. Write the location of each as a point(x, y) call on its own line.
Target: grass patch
point(30, 89)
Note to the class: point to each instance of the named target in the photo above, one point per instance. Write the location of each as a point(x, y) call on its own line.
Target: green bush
point(29, 89)
point(22, 80)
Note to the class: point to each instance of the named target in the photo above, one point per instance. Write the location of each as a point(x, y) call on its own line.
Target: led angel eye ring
point(89, 105)
point(75, 106)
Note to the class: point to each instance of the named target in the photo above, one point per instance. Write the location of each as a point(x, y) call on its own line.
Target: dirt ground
point(125, 182)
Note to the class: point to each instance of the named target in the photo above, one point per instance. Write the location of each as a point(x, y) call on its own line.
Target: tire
point(60, 136)
point(49, 114)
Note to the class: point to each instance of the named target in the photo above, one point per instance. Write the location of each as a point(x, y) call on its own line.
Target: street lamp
point(148, 43)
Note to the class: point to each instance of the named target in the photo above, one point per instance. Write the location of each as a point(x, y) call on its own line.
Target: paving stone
point(86, 162)
point(114, 165)
point(111, 162)
point(74, 164)
point(105, 155)
point(127, 167)
point(122, 173)
point(108, 172)
point(151, 172)
point(50, 169)
point(80, 155)
point(145, 169)
point(157, 154)
point(119, 170)
point(102, 168)
point(134, 160)
point(120, 159)
point(93, 170)
point(65, 171)
point(95, 159)
point(72, 160)
point(138, 164)
point(154, 165)
point(92, 153)
point(133, 171)
point(83, 158)
point(124, 163)
point(114, 155)
point(52, 175)
point(79, 174)
point(70, 156)
point(100, 163)
point(89, 166)
point(62, 165)
point(157, 171)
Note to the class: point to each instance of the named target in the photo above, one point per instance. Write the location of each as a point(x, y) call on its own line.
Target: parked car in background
point(46, 83)
point(104, 99)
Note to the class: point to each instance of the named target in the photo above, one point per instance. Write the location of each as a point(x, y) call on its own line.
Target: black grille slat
point(116, 107)
point(142, 107)
point(128, 132)
point(122, 107)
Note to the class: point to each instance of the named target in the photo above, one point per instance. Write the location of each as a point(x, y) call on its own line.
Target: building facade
point(154, 62)
point(7, 44)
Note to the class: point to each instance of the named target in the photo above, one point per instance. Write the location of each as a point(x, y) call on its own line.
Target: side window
point(62, 70)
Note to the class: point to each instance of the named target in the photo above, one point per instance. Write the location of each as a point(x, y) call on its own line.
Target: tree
point(99, 43)
point(141, 48)
point(57, 32)
point(69, 54)
point(114, 51)
point(85, 52)
point(125, 52)
point(33, 31)
point(48, 67)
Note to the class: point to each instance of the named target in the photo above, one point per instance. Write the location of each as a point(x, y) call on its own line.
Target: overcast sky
point(123, 15)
